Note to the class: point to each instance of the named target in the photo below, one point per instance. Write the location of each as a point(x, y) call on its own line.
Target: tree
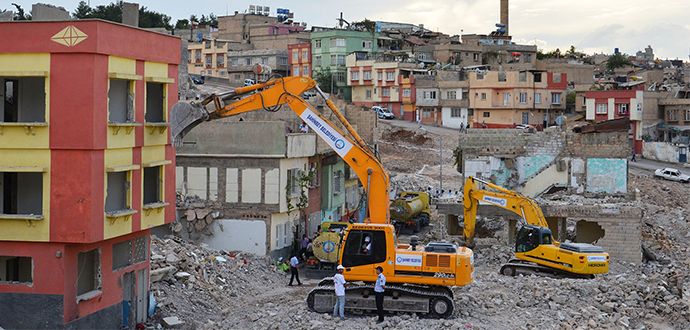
point(617, 61)
point(83, 11)
point(324, 78)
point(365, 25)
point(110, 12)
point(152, 19)
point(182, 24)
point(213, 20)
point(203, 20)
point(20, 15)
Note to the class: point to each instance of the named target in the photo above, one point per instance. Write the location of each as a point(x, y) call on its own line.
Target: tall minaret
point(504, 15)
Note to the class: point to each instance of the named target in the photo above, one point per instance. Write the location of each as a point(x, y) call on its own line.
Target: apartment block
point(330, 47)
point(209, 57)
point(242, 64)
point(299, 58)
point(502, 99)
point(388, 84)
point(87, 168)
point(615, 104)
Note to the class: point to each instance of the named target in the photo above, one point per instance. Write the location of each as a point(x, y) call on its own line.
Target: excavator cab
point(530, 237)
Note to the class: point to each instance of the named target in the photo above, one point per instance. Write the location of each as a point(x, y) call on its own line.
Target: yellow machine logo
point(69, 36)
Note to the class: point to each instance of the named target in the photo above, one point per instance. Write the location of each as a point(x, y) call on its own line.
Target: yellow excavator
point(418, 278)
point(535, 249)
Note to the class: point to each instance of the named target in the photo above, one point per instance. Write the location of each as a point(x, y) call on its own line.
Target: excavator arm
point(270, 96)
point(509, 200)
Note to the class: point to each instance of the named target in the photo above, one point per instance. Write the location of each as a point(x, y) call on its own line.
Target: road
point(651, 165)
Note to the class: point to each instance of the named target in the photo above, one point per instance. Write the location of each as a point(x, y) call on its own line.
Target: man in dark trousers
point(294, 262)
point(379, 289)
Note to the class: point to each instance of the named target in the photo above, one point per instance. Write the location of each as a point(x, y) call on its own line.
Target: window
point(295, 71)
point(480, 75)
point(455, 112)
point(390, 76)
point(24, 100)
point(502, 76)
point(16, 269)
point(367, 75)
point(88, 272)
point(475, 56)
point(379, 75)
point(527, 58)
point(483, 96)
point(238, 76)
point(622, 108)
point(426, 113)
point(385, 91)
point(672, 115)
point(451, 95)
point(523, 97)
point(305, 55)
point(354, 75)
point(337, 42)
point(556, 77)
point(368, 94)
point(264, 60)
point(366, 44)
point(282, 60)
point(487, 114)
point(340, 60)
point(537, 77)
point(155, 102)
point(522, 76)
point(248, 61)
point(339, 76)
point(337, 182)
point(407, 92)
point(293, 176)
point(153, 179)
point(305, 70)
point(197, 56)
point(21, 193)
point(555, 98)
point(465, 95)
point(687, 115)
point(220, 61)
point(429, 95)
point(209, 60)
point(117, 194)
point(120, 101)
point(317, 43)
point(602, 109)
point(234, 61)
point(506, 98)
point(364, 247)
point(537, 98)
point(295, 56)
point(317, 60)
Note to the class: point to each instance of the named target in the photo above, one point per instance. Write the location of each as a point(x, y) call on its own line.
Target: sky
point(590, 25)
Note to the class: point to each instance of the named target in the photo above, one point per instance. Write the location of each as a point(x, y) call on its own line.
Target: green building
point(331, 46)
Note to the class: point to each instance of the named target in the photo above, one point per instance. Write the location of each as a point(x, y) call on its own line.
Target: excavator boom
point(270, 96)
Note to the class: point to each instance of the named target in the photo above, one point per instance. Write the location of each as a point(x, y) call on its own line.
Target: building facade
point(330, 47)
point(242, 64)
point(506, 98)
point(388, 84)
point(614, 104)
point(87, 170)
point(299, 57)
point(209, 58)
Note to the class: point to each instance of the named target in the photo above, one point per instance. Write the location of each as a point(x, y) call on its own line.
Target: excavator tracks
point(516, 267)
point(429, 301)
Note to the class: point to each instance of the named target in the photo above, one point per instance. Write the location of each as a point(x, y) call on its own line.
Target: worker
point(339, 282)
point(283, 265)
point(379, 290)
point(294, 262)
point(303, 246)
point(304, 128)
point(366, 247)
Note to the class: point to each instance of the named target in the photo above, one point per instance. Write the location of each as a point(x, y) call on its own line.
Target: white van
point(382, 113)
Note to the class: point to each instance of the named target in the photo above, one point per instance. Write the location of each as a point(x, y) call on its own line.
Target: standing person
point(294, 262)
point(379, 289)
point(339, 282)
point(303, 246)
point(633, 157)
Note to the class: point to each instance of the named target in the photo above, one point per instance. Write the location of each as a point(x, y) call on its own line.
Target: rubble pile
point(198, 216)
point(195, 283)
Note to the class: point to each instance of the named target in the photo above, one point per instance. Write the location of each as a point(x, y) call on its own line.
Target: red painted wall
point(48, 273)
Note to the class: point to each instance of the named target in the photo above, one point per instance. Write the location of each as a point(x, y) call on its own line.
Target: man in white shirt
point(294, 262)
point(379, 289)
point(339, 282)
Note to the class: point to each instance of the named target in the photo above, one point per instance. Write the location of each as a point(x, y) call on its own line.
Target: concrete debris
point(172, 322)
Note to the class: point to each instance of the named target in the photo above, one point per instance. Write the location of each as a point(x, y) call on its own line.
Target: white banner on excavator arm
point(338, 143)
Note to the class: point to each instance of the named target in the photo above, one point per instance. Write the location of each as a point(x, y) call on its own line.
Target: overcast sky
point(590, 25)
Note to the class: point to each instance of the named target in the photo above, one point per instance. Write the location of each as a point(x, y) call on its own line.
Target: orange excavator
point(418, 277)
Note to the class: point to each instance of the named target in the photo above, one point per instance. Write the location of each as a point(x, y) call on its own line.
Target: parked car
point(383, 113)
point(249, 82)
point(198, 80)
point(308, 95)
point(671, 174)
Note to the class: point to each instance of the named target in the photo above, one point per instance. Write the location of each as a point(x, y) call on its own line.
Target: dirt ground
point(210, 289)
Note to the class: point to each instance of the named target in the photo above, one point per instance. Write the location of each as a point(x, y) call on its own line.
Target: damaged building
point(580, 179)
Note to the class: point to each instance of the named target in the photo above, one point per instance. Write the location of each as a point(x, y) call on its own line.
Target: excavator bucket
point(184, 116)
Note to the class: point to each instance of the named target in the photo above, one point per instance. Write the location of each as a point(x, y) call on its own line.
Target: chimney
point(130, 14)
point(504, 15)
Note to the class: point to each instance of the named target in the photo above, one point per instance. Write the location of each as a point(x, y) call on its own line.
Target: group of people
point(340, 284)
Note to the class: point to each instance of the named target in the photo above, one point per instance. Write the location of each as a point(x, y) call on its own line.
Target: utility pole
point(440, 150)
